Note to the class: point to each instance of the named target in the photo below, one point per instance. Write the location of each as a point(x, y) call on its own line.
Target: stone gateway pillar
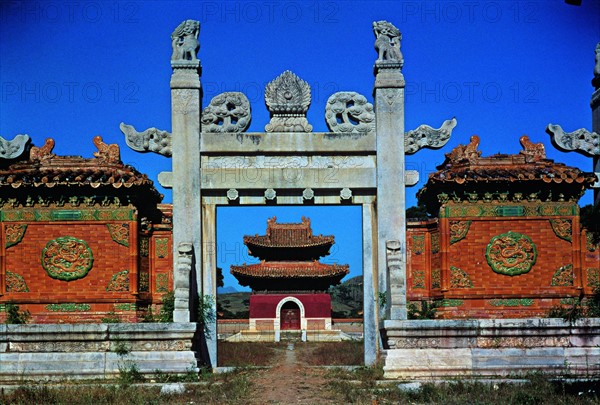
point(185, 106)
point(391, 216)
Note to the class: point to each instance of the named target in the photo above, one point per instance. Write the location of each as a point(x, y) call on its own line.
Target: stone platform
point(94, 351)
point(296, 335)
point(484, 348)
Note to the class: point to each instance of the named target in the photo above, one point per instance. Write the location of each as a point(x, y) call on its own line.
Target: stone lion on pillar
point(387, 42)
point(185, 41)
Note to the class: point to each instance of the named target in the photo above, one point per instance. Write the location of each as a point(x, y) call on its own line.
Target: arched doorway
point(290, 316)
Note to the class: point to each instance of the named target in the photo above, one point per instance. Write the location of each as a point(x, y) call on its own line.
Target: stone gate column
point(391, 217)
point(595, 104)
point(185, 115)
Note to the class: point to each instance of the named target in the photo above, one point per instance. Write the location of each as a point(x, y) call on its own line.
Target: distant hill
point(346, 301)
point(226, 290)
point(347, 298)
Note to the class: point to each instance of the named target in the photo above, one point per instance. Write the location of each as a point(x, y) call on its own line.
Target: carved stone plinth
point(288, 98)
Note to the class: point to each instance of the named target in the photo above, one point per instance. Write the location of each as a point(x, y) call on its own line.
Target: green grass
point(348, 387)
point(245, 354)
point(219, 389)
point(347, 353)
point(360, 387)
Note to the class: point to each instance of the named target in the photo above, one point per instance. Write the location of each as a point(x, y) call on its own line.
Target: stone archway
point(360, 161)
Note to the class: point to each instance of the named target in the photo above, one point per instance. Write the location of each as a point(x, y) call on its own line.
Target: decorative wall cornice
point(546, 209)
point(65, 214)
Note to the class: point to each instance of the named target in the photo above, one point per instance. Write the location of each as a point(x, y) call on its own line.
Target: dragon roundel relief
point(67, 258)
point(511, 253)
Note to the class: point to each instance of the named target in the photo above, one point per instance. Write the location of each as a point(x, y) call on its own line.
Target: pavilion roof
point(290, 270)
point(288, 235)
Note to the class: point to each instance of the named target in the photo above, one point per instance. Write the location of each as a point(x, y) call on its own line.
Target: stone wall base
point(94, 351)
point(439, 349)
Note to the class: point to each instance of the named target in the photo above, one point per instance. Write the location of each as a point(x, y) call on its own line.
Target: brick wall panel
point(25, 260)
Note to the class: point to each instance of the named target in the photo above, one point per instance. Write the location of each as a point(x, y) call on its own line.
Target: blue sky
point(73, 70)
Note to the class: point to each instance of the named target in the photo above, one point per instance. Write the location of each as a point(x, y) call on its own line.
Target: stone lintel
point(316, 142)
point(287, 178)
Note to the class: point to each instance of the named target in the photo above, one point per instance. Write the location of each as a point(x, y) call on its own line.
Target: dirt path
point(290, 382)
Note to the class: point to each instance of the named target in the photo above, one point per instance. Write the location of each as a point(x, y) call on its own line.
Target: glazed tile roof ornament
point(98, 179)
point(467, 176)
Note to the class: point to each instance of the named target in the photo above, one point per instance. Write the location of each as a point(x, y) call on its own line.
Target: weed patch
point(245, 354)
point(346, 353)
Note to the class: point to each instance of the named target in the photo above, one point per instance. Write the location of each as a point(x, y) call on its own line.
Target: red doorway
point(290, 316)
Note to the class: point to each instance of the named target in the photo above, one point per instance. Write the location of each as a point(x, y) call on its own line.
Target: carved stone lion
point(387, 42)
point(185, 41)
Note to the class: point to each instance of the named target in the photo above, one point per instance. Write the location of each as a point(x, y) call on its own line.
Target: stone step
point(291, 336)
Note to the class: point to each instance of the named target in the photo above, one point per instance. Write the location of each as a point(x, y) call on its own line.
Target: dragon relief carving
point(458, 230)
point(151, 140)
point(563, 228)
point(42, 153)
point(227, 112)
point(427, 137)
point(288, 98)
point(532, 151)
point(14, 233)
point(67, 258)
point(349, 112)
point(15, 148)
point(185, 41)
point(581, 140)
point(108, 153)
point(511, 253)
